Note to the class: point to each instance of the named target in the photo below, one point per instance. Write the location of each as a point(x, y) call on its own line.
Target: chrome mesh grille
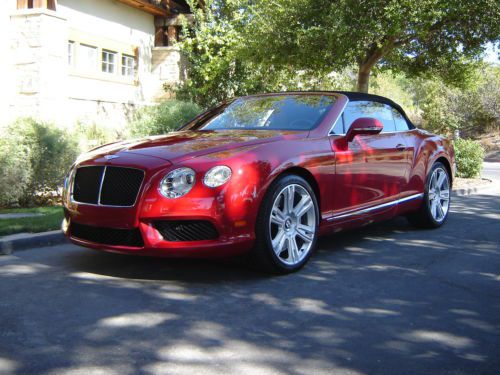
point(107, 186)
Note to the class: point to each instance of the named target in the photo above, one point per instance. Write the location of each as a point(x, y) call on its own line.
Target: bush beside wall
point(469, 156)
point(34, 158)
point(162, 118)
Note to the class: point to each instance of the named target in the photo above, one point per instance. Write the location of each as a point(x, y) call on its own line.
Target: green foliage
point(15, 169)
point(50, 219)
point(469, 156)
point(473, 111)
point(162, 118)
point(238, 46)
point(219, 68)
point(93, 135)
point(34, 157)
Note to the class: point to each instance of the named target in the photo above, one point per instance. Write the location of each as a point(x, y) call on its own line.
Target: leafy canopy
point(440, 37)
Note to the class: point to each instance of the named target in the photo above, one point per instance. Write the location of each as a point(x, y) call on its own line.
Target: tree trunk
point(363, 83)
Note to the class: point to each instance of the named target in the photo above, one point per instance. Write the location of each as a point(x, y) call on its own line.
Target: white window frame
point(84, 64)
point(128, 65)
point(109, 61)
point(71, 53)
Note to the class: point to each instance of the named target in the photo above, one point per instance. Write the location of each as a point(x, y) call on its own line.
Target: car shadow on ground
point(212, 270)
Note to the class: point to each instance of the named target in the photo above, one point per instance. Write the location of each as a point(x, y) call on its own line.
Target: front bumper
point(231, 210)
point(155, 245)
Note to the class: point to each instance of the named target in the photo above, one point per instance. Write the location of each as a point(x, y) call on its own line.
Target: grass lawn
point(51, 220)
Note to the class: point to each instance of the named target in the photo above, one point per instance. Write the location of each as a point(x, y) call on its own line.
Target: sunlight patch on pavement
point(491, 276)
point(443, 338)
point(312, 306)
point(92, 276)
point(234, 357)
point(387, 267)
point(369, 311)
point(141, 320)
point(266, 299)
point(21, 269)
point(86, 370)
point(237, 357)
point(7, 366)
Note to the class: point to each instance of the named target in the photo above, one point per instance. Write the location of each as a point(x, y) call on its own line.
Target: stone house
point(88, 61)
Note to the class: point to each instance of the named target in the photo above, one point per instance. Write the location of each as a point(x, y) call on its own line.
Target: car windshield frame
point(270, 105)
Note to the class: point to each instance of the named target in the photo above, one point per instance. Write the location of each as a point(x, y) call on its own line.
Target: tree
point(216, 72)
point(219, 66)
point(415, 37)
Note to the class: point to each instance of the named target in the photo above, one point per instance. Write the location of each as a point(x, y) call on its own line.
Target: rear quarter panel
point(425, 150)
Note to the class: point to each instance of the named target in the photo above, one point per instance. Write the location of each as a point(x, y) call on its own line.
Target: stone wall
point(39, 83)
point(38, 41)
point(168, 68)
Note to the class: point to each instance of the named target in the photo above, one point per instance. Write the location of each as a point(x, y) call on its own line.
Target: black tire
point(423, 218)
point(263, 256)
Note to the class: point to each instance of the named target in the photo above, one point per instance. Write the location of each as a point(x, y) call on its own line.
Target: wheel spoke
point(293, 250)
point(439, 210)
point(305, 232)
point(440, 180)
point(434, 180)
point(279, 242)
point(289, 196)
point(303, 206)
point(277, 216)
point(445, 195)
point(434, 208)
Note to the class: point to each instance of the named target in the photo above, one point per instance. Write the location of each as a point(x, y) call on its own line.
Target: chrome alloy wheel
point(292, 224)
point(439, 194)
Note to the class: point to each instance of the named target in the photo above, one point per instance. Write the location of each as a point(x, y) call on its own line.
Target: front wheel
point(436, 205)
point(287, 226)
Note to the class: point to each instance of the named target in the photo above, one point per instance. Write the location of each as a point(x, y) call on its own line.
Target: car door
point(371, 168)
point(408, 136)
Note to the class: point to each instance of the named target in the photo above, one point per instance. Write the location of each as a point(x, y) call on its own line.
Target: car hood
point(183, 145)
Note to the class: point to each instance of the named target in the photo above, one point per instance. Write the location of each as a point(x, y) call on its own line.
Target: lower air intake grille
point(186, 230)
point(107, 236)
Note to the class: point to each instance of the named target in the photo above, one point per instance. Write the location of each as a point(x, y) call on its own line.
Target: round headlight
point(177, 183)
point(217, 176)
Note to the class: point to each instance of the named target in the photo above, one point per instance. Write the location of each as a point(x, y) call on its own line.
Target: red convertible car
point(262, 175)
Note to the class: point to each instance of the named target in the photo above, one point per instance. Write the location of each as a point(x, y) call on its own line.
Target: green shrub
point(15, 169)
point(34, 158)
point(162, 118)
point(469, 157)
point(92, 135)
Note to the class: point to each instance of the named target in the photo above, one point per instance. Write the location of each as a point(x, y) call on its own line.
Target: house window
point(71, 53)
point(128, 65)
point(108, 61)
point(87, 58)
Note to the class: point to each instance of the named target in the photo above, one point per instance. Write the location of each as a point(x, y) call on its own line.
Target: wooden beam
point(40, 4)
point(146, 6)
point(173, 34)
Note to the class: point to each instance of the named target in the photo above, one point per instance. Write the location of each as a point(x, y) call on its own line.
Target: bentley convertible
point(261, 175)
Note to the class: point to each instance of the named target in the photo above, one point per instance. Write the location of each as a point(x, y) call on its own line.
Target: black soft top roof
point(359, 96)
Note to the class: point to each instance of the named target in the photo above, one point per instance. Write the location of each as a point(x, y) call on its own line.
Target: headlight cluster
point(181, 180)
point(217, 176)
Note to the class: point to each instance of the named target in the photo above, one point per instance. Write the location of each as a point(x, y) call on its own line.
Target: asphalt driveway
point(385, 299)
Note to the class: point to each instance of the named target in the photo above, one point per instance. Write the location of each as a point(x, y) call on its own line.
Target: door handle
point(400, 147)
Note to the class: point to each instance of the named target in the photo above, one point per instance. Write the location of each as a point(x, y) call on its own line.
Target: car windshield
point(275, 112)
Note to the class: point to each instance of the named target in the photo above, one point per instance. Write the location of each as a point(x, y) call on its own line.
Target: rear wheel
point(436, 205)
point(287, 226)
